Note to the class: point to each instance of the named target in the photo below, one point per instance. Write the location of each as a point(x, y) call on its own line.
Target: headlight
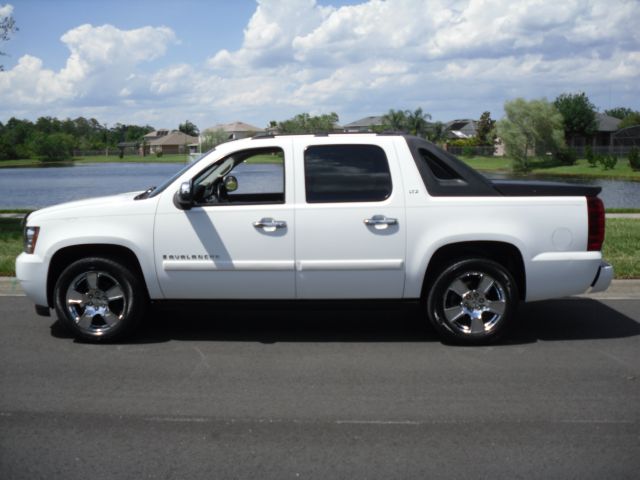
point(30, 238)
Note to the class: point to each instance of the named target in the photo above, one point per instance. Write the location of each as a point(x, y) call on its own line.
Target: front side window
point(346, 173)
point(254, 176)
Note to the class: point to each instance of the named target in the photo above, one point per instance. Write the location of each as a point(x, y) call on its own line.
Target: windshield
point(168, 182)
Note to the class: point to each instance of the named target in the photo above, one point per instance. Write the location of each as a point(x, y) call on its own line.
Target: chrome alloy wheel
point(474, 303)
point(96, 302)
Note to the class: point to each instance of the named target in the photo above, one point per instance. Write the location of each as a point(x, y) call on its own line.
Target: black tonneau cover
point(522, 188)
point(457, 179)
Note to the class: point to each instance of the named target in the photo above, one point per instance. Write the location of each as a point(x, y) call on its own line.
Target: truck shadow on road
point(564, 319)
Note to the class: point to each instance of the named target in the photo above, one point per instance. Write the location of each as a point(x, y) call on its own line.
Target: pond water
point(40, 187)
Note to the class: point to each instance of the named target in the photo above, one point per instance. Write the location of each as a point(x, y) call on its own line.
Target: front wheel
point(99, 299)
point(472, 301)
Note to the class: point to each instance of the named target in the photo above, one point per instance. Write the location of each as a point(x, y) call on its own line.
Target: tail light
point(595, 209)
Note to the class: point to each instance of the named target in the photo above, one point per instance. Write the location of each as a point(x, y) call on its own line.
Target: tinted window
point(346, 173)
point(440, 169)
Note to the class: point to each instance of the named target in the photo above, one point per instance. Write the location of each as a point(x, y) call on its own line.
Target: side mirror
point(183, 198)
point(231, 183)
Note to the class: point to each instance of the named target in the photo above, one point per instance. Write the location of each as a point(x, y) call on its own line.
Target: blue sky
point(214, 62)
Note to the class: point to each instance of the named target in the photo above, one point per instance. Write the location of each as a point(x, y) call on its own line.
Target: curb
point(618, 290)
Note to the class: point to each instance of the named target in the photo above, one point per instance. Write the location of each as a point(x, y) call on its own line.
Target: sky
point(212, 61)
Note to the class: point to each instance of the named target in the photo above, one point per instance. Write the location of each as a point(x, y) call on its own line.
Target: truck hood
point(119, 204)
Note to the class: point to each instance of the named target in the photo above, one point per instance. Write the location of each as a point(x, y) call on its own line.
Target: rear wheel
point(99, 299)
point(472, 301)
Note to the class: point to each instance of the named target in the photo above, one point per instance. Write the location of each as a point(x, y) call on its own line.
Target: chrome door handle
point(380, 220)
point(270, 223)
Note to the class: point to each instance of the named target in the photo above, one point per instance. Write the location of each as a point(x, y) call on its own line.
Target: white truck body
point(320, 250)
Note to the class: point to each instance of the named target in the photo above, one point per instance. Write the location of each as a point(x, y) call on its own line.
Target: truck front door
point(237, 240)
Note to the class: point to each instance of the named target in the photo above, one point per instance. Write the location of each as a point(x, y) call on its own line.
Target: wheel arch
point(504, 253)
point(67, 255)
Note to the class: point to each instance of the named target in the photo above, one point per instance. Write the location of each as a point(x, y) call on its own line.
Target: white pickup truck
point(318, 217)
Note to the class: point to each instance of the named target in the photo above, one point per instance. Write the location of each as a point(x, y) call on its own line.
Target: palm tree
point(396, 120)
point(417, 122)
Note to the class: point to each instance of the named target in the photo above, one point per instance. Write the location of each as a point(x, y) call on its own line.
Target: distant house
point(366, 124)
point(235, 130)
point(460, 129)
point(168, 142)
point(606, 126)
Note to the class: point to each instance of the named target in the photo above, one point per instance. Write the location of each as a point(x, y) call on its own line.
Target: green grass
point(620, 246)
point(15, 210)
point(10, 244)
point(582, 168)
point(31, 162)
point(622, 210)
point(258, 159)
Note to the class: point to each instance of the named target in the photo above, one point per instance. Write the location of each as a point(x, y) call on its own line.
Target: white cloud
point(451, 57)
point(406, 53)
point(6, 10)
point(101, 63)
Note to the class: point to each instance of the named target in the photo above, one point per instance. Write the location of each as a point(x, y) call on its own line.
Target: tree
point(7, 28)
point(417, 122)
point(578, 113)
point(396, 120)
point(632, 119)
point(211, 138)
point(486, 129)
point(305, 123)
point(54, 147)
point(530, 127)
point(619, 112)
point(436, 132)
point(189, 128)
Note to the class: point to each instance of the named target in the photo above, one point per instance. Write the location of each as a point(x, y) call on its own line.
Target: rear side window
point(346, 173)
point(440, 169)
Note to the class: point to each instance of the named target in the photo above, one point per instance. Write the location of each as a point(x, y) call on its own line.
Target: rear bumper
point(562, 274)
point(603, 278)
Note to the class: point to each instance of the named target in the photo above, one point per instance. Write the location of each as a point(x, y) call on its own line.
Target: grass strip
point(622, 170)
point(10, 244)
point(621, 246)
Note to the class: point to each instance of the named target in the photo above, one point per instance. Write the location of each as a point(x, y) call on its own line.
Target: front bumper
point(603, 278)
point(31, 272)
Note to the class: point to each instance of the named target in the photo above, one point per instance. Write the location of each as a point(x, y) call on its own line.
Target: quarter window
point(346, 173)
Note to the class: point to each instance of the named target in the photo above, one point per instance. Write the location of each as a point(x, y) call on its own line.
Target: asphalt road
point(249, 393)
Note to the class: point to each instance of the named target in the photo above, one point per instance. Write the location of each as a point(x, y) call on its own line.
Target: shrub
point(467, 151)
point(159, 154)
point(634, 158)
point(608, 162)
point(54, 147)
point(566, 156)
point(590, 156)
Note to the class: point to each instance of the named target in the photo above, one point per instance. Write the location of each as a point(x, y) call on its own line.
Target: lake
point(40, 187)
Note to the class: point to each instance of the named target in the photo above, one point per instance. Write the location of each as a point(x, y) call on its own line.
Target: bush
point(54, 147)
point(566, 156)
point(467, 151)
point(590, 156)
point(608, 162)
point(159, 154)
point(634, 158)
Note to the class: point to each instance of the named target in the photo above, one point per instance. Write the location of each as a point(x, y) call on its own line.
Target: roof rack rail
point(263, 135)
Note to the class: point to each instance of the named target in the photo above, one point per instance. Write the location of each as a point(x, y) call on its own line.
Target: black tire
point(472, 301)
point(99, 299)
